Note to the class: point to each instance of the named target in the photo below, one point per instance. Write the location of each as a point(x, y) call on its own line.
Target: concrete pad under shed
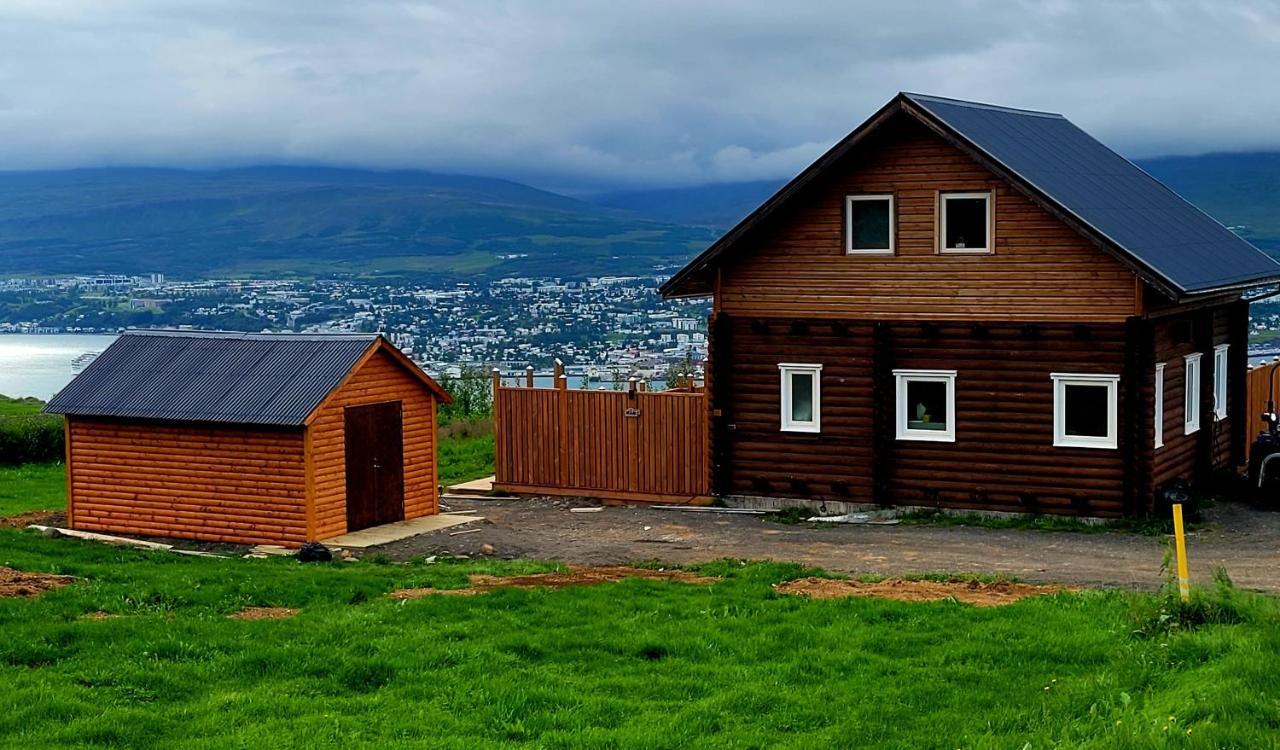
point(394, 532)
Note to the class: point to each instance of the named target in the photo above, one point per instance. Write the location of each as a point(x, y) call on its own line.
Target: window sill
point(927, 436)
point(803, 430)
point(868, 252)
point(1099, 443)
point(964, 251)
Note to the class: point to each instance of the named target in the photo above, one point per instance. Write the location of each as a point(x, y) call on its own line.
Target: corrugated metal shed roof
point(1110, 194)
point(242, 378)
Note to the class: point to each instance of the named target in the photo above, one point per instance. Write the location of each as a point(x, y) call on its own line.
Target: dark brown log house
point(968, 306)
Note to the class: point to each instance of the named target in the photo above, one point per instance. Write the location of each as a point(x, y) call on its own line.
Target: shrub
point(31, 438)
point(472, 393)
point(1220, 604)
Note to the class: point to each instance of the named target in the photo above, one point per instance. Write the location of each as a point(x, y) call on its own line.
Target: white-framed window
point(965, 223)
point(868, 224)
point(1085, 410)
point(926, 405)
point(1191, 401)
point(1220, 381)
point(801, 397)
point(1158, 425)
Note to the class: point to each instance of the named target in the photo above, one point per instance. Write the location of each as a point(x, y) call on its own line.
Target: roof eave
point(1239, 286)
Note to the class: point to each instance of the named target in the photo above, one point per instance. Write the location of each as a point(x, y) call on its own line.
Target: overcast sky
point(576, 95)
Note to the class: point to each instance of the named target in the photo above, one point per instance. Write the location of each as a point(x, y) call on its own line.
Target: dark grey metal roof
point(241, 378)
point(1160, 230)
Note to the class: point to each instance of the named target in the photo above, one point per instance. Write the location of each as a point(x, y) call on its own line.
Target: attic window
point(966, 222)
point(868, 224)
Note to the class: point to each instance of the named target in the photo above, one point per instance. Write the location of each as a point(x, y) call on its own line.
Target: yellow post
point(1184, 579)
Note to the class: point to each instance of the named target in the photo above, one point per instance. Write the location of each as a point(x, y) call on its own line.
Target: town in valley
point(605, 329)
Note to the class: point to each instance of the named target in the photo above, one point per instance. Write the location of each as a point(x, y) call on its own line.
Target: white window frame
point(1191, 394)
point(1158, 424)
point(786, 370)
point(987, 249)
point(1220, 381)
point(849, 249)
point(1060, 437)
point(902, 378)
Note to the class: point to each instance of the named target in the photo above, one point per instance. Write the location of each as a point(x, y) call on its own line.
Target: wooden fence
point(1257, 389)
point(622, 445)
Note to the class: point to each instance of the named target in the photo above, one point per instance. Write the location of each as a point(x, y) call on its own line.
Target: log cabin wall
point(216, 483)
point(1041, 270)
point(1003, 457)
point(1218, 443)
point(378, 379)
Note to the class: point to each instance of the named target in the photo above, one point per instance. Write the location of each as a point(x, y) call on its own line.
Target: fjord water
point(40, 364)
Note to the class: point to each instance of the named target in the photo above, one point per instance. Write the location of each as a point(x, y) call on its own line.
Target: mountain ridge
point(279, 220)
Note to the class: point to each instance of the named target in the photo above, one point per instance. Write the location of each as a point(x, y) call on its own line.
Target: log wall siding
point(1003, 457)
point(228, 484)
point(1175, 337)
point(1041, 270)
point(379, 379)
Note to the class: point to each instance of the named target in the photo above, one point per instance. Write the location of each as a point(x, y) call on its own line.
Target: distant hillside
point(302, 221)
point(719, 206)
point(1240, 190)
point(282, 221)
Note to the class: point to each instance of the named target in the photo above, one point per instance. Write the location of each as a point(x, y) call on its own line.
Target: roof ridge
point(983, 105)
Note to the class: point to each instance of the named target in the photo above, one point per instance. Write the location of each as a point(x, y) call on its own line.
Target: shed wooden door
point(375, 464)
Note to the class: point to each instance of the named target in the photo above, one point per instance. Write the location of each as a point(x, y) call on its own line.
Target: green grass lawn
point(32, 487)
point(637, 664)
point(10, 406)
point(463, 458)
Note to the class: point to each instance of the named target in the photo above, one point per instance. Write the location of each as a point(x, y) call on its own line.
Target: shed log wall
point(228, 484)
point(380, 378)
point(1041, 269)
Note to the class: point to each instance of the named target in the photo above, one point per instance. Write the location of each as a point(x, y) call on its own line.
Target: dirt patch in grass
point(40, 517)
point(980, 593)
point(15, 583)
point(263, 613)
point(99, 615)
point(574, 576)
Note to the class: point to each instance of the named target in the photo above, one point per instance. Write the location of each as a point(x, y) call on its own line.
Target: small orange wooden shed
point(249, 438)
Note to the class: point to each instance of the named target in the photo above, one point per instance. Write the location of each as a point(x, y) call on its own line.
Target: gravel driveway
point(1244, 541)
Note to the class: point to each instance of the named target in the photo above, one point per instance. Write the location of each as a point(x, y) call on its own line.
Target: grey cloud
point(583, 94)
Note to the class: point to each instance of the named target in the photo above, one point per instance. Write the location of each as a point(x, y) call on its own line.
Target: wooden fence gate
point(621, 445)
